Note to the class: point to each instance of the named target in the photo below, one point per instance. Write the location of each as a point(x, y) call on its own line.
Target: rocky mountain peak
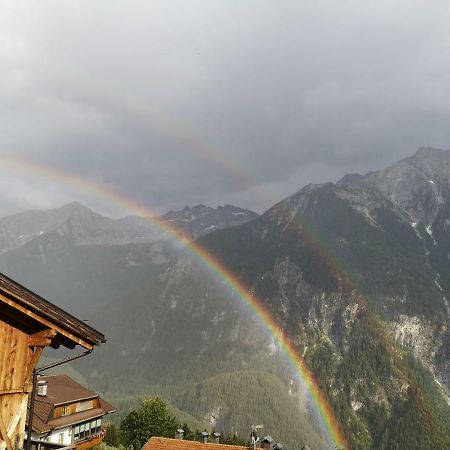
point(426, 152)
point(74, 208)
point(418, 184)
point(350, 178)
point(201, 219)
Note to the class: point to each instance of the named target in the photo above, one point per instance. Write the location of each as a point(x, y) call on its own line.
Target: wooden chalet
point(28, 324)
point(67, 414)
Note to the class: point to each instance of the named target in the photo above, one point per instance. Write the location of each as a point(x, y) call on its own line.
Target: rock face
point(419, 187)
point(419, 184)
point(200, 219)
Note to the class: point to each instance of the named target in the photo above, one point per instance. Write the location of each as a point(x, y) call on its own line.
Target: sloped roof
point(107, 407)
point(33, 313)
point(73, 419)
point(158, 443)
point(40, 417)
point(42, 410)
point(62, 389)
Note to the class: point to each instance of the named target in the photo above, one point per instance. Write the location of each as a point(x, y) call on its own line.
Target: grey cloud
point(175, 102)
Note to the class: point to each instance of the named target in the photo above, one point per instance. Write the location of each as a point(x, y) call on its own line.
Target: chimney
point(266, 442)
point(204, 435)
point(216, 438)
point(42, 388)
point(179, 434)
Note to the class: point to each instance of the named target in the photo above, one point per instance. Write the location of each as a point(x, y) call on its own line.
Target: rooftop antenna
point(254, 439)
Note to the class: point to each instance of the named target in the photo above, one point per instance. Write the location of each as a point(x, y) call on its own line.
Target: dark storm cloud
point(176, 102)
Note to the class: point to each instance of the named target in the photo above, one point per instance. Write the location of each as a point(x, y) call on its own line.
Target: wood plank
point(32, 363)
point(12, 391)
point(22, 423)
point(37, 352)
point(39, 342)
point(4, 435)
point(49, 333)
point(11, 360)
point(18, 415)
point(20, 359)
point(85, 445)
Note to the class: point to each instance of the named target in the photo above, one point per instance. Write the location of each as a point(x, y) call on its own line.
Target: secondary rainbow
point(269, 324)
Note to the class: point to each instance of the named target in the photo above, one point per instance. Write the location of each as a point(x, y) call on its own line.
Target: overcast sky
point(181, 102)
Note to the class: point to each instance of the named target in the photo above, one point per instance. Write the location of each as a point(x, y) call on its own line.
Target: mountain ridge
point(77, 257)
point(86, 227)
point(356, 274)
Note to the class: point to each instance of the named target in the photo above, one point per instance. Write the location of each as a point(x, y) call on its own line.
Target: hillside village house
point(28, 324)
point(66, 413)
point(158, 443)
point(206, 442)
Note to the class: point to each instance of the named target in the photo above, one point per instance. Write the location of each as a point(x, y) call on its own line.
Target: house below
point(207, 442)
point(67, 413)
point(159, 443)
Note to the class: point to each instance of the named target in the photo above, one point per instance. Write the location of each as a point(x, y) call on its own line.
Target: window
point(65, 410)
point(61, 438)
point(86, 429)
point(83, 406)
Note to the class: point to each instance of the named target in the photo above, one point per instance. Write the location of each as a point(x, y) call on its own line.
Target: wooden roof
point(61, 389)
point(158, 443)
point(28, 311)
point(41, 415)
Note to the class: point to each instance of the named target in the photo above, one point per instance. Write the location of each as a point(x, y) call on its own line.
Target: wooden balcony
point(89, 443)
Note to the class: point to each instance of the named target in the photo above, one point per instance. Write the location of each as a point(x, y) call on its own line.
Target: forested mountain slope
point(350, 274)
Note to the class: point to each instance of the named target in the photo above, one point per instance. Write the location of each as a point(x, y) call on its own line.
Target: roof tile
point(159, 443)
point(62, 389)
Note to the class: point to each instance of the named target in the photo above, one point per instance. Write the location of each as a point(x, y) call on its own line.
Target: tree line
point(153, 418)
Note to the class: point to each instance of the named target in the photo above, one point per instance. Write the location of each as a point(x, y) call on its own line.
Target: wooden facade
point(65, 410)
point(28, 324)
point(19, 353)
point(86, 445)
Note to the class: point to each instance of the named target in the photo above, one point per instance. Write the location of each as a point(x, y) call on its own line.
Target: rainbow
point(322, 409)
point(104, 99)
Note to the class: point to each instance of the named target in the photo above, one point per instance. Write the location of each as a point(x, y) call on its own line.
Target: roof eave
point(73, 329)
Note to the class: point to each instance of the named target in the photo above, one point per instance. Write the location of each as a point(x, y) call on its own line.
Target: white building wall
point(61, 436)
point(55, 437)
point(66, 435)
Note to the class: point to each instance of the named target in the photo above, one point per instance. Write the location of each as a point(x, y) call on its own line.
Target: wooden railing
point(84, 445)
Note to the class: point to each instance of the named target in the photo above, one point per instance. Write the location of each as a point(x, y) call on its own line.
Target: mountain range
point(79, 258)
point(356, 273)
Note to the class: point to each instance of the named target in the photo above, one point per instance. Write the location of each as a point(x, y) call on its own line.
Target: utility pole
point(254, 439)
